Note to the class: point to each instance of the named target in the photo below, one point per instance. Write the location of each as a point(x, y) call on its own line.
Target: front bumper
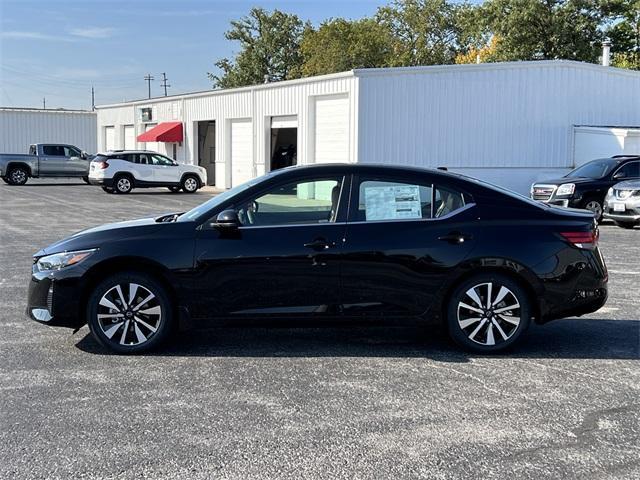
point(631, 212)
point(53, 299)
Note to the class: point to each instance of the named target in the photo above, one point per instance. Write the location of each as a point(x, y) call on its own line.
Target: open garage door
point(109, 138)
point(332, 129)
point(241, 151)
point(284, 142)
point(129, 137)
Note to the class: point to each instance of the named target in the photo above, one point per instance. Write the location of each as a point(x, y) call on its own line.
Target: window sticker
point(392, 202)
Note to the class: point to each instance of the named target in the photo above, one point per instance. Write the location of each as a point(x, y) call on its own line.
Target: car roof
point(114, 152)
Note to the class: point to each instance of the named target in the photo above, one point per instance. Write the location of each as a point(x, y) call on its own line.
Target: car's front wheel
point(130, 313)
point(190, 184)
point(595, 207)
point(488, 313)
point(123, 184)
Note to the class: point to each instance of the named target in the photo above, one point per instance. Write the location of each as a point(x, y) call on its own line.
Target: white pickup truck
point(45, 160)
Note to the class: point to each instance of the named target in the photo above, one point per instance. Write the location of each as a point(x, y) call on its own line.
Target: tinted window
point(143, 158)
point(381, 200)
point(53, 150)
point(71, 152)
point(594, 169)
point(309, 201)
point(446, 201)
point(32, 150)
point(629, 170)
point(160, 160)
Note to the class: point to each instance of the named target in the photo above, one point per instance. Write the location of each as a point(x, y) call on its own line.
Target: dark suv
point(586, 186)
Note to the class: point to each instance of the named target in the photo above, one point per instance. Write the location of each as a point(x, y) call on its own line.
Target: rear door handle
point(319, 244)
point(455, 237)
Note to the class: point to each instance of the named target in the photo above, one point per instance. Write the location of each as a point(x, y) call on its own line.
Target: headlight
point(566, 189)
point(58, 261)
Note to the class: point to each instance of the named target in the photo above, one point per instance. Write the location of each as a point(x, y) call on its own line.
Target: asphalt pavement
point(340, 403)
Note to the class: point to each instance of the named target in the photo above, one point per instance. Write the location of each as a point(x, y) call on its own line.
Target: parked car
point(332, 241)
point(44, 160)
point(622, 204)
point(120, 171)
point(586, 186)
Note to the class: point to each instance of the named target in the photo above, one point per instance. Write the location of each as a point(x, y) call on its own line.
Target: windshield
point(594, 169)
point(223, 197)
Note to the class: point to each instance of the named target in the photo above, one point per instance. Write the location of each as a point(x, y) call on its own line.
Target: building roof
point(369, 72)
point(45, 110)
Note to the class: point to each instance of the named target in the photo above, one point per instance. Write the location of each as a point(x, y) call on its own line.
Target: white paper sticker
point(392, 202)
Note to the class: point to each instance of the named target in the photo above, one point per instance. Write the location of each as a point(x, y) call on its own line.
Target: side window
point(160, 160)
point(53, 150)
point(310, 201)
point(382, 200)
point(32, 150)
point(71, 152)
point(143, 159)
point(630, 170)
point(446, 201)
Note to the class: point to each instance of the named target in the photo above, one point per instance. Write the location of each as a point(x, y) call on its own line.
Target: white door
point(165, 170)
point(129, 137)
point(109, 138)
point(153, 146)
point(241, 151)
point(332, 129)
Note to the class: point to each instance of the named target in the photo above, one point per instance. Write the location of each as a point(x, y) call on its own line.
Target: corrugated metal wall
point(483, 119)
point(20, 128)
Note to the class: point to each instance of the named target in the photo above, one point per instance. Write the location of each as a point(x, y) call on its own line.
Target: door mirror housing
point(227, 219)
point(619, 175)
point(83, 155)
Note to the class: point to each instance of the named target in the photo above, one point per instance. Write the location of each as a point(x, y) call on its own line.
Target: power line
point(164, 83)
point(148, 78)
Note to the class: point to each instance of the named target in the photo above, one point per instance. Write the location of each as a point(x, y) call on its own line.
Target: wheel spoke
point(142, 322)
point(110, 332)
point(121, 296)
point(469, 307)
point(489, 291)
point(124, 332)
point(474, 296)
point(133, 289)
point(468, 321)
point(497, 325)
point(511, 320)
point(501, 294)
point(506, 309)
point(139, 335)
point(143, 302)
point(477, 329)
point(490, 339)
point(106, 316)
point(105, 302)
point(152, 311)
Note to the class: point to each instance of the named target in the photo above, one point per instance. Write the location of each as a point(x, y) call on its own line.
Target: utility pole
point(164, 83)
point(44, 103)
point(93, 99)
point(148, 78)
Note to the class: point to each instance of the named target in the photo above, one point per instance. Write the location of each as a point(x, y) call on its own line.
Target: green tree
point(425, 32)
point(623, 29)
point(269, 45)
point(544, 29)
point(339, 45)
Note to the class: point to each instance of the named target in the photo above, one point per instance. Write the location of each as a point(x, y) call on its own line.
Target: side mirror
point(83, 155)
point(619, 175)
point(227, 219)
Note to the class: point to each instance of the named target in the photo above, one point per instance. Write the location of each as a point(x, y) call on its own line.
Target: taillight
point(102, 165)
point(586, 240)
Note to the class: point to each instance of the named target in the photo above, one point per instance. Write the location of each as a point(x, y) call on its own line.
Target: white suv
point(120, 171)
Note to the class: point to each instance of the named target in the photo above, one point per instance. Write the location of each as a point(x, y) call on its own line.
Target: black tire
point(190, 183)
point(127, 319)
point(487, 327)
point(122, 183)
point(17, 176)
point(5, 180)
point(108, 189)
point(628, 225)
point(594, 206)
point(86, 180)
point(174, 189)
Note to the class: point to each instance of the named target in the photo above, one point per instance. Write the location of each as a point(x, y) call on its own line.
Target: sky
point(59, 49)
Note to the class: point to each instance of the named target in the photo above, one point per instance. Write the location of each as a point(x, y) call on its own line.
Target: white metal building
point(509, 123)
point(20, 127)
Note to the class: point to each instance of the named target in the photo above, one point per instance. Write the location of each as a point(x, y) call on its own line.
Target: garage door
point(332, 129)
point(241, 151)
point(129, 137)
point(109, 138)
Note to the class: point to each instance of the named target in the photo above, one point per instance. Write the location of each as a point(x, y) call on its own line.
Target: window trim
point(624, 165)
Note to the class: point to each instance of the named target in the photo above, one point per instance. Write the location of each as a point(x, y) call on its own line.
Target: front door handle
point(455, 237)
point(319, 244)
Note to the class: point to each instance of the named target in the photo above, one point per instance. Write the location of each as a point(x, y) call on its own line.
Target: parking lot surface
point(310, 402)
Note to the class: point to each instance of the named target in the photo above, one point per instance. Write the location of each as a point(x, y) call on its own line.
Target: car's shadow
point(572, 338)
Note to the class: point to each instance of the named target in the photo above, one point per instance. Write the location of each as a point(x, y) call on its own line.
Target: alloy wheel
point(123, 185)
point(595, 207)
point(129, 314)
point(489, 314)
point(18, 176)
point(190, 184)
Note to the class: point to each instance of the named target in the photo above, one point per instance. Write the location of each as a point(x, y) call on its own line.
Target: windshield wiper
point(172, 217)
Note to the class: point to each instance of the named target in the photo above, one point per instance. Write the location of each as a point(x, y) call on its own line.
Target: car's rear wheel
point(123, 184)
point(628, 225)
point(130, 313)
point(18, 176)
point(488, 313)
point(595, 207)
point(190, 184)
point(174, 189)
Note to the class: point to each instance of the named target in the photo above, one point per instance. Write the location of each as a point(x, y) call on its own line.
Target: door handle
point(319, 244)
point(455, 237)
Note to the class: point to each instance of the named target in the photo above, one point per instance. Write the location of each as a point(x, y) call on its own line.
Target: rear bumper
point(103, 182)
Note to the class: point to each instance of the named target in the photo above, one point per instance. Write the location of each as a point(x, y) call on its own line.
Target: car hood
point(560, 181)
point(628, 185)
point(96, 236)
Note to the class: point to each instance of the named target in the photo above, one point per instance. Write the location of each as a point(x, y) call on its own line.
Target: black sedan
point(348, 242)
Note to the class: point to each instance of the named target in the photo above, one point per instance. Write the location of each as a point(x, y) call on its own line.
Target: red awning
point(163, 132)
